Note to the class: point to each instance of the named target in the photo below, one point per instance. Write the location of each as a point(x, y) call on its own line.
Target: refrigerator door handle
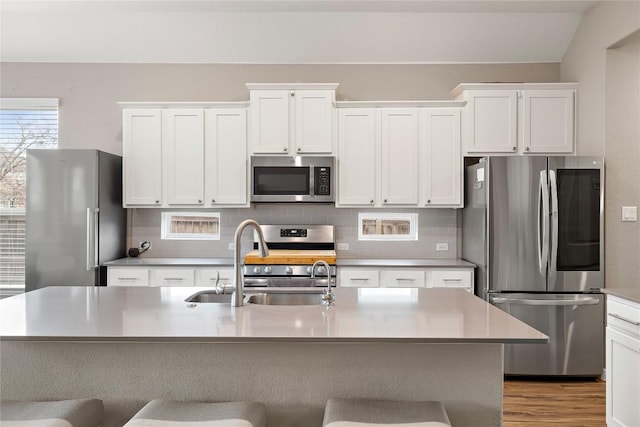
point(543, 223)
point(92, 238)
point(545, 302)
point(554, 224)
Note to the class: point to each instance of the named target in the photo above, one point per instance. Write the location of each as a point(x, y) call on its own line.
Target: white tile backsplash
point(434, 226)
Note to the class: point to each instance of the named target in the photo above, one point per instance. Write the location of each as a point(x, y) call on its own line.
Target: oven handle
point(264, 282)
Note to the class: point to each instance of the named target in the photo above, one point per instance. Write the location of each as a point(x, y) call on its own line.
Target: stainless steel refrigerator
point(75, 219)
point(535, 228)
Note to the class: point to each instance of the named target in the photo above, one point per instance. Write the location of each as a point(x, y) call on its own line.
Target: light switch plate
point(629, 213)
point(232, 246)
point(442, 246)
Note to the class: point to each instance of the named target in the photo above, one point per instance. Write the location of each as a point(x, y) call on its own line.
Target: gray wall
point(623, 162)
point(91, 118)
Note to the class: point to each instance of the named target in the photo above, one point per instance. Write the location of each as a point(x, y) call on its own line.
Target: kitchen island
point(127, 346)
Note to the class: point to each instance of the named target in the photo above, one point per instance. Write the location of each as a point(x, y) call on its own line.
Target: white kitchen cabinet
point(440, 158)
point(142, 154)
point(291, 119)
point(623, 363)
point(450, 278)
point(172, 276)
point(358, 277)
point(186, 155)
point(222, 276)
point(183, 148)
point(127, 276)
point(529, 118)
point(226, 173)
point(357, 155)
point(399, 156)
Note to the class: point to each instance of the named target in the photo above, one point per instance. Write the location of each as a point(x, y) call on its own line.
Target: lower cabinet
point(169, 276)
point(623, 363)
point(406, 277)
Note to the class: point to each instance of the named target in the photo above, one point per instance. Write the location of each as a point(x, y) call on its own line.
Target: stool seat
point(378, 413)
point(170, 413)
point(61, 413)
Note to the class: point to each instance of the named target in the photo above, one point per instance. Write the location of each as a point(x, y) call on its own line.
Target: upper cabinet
point(531, 118)
point(185, 155)
point(399, 154)
point(291, 119)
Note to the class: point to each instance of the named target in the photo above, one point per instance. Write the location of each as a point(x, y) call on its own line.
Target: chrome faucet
point(328, 296)
point(263, 251)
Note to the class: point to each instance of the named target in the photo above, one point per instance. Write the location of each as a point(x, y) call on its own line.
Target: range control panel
point(293, 232)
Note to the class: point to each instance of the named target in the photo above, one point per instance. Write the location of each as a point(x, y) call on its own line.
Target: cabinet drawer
point(173, 277)
point(623, 315)
point(452, 279)
point(403, 278)
point(359, 278)
point(209, 276)
point(127, 276)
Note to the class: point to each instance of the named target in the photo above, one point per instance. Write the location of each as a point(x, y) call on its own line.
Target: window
point(387, 226)
point(191, 225)
point(25, 123)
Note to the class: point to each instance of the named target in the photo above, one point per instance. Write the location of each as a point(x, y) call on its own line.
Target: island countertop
point(410, 315)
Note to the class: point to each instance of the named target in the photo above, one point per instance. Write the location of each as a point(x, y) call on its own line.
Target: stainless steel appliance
point(293, 249)
point(75, 219)
point(535, 228)
point(286, 179)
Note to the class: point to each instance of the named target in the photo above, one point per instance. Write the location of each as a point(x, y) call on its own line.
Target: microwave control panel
point(322, 181)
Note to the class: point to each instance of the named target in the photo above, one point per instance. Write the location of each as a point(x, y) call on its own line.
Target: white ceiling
point(286, 32)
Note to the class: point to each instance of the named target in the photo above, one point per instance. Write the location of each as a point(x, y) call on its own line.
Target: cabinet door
point(269, 119)
point(127, 276)
point(399, 156)
point(356, 157)
point(491, 122)
point(358, 278)
point(172, 277)
point(226, 157)
point(440, 278)
point(441, 161)
point(547, 121)
point(183, 132)
point(313, 121)
point(623, 379)
point(403, 278)
point(142, 145)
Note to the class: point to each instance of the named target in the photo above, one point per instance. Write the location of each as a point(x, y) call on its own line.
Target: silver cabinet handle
point(359, 279)
point(174, 278)
point(405, 279)
point(624, 320)
point(213, 279)
point(452, 280)
point(127, 278)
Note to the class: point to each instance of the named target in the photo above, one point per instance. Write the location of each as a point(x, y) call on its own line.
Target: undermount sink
point(210, 297)
point(285, 298)
point(270, 297)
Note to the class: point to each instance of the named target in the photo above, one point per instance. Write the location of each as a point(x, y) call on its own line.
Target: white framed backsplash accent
point(434, 226)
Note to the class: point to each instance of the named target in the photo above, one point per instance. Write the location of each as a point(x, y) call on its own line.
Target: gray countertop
point(631, 294)
point(72, 313)
point(341, 261)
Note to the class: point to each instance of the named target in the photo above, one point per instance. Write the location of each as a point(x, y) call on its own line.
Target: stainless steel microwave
point(290, 179)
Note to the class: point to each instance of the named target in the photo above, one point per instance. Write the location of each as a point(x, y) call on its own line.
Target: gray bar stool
point(169, 413)
point(363, 412)
point(61, 413)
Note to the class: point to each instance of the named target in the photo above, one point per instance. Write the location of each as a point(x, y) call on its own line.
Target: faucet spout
point(263, 251)
point(328, 296)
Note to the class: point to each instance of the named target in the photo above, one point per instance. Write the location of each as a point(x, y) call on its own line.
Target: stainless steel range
point(292, 251)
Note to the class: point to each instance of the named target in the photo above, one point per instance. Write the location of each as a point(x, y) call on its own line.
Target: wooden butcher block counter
point(288, 256)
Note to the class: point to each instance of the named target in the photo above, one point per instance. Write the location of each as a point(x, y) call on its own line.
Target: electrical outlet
point(629, 213)
point(442, 246)
point(232, 246)
point(343, 246)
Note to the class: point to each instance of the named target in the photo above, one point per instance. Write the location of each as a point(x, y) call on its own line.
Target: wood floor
point(529, 403)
